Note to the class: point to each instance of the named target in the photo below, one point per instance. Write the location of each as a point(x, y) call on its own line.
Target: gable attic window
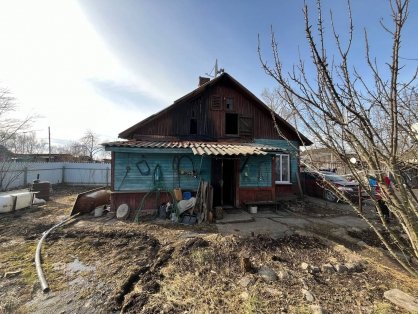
point(193, 126)
point(229, 103)
point(231, 123)
point(216, 103)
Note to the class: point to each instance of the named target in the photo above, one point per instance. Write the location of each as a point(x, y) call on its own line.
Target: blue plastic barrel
point(187, 195)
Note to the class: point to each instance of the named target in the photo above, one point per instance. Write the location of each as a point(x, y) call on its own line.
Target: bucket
point(253, 209)
point(98, 211)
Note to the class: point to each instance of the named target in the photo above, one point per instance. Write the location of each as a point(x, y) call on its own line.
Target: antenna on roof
point(216, 70)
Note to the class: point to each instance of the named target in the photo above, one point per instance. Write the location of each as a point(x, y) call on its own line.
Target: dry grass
point(197, 275)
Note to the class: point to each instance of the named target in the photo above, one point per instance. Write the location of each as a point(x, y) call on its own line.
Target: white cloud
point(49, 54)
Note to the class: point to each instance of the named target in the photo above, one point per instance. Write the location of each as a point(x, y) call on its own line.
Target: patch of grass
point(300, 309)
point(252, 305)
point(21, 257)
point(203, 256)
point(382, 308)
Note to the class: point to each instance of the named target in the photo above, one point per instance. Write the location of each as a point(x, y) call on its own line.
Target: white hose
point(44, 284)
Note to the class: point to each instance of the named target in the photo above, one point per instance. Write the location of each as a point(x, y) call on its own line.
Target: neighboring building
point(324, 159)
point(220, 133)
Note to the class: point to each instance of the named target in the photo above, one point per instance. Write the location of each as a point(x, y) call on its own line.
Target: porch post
point(273, 178)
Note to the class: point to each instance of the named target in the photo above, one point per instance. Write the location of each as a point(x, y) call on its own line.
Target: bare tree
point(90, 143)
point(275, 102)
point(9, 128)
point(26, 142)
point(371, 118)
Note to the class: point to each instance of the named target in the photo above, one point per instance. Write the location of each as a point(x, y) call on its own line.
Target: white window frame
point(279, 161)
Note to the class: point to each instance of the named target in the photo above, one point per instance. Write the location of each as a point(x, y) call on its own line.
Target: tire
point(329, 196)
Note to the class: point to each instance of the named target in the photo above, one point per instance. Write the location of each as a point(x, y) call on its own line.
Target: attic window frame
point(216, 102)
point(229, 103)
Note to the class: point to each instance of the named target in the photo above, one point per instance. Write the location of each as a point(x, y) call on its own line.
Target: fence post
point(25, 176)
point(107, 176)
point(63, 175)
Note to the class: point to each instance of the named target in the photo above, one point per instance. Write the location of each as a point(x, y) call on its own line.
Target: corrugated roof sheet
point(202, 148)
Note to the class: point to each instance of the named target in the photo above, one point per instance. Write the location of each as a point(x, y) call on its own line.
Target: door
point(223, 181)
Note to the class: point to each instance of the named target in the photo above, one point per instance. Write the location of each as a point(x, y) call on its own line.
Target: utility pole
point(49, 144)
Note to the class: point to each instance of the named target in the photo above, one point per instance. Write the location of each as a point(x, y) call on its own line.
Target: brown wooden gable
point(221, 109)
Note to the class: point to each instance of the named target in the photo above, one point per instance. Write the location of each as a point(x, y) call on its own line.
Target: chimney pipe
point(203, 80)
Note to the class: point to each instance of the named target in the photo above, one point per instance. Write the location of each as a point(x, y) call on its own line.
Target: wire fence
point(21, 174)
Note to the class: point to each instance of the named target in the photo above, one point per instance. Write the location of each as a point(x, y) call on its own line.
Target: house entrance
point(223, 181)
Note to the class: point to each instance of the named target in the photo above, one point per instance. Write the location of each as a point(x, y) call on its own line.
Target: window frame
point(216, 102)
point(278, 177)
point(229, 103)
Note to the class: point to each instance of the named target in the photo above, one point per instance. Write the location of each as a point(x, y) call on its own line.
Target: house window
point(282, 168)
point(193, 126)
point(229, 103)
point(231, 123)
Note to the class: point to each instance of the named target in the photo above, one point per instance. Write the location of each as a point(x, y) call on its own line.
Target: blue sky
point(105, 64)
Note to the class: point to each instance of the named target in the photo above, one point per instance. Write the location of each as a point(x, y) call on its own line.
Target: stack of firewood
point(204, 202)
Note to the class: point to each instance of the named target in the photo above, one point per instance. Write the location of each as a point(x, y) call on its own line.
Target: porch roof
point(201, 148)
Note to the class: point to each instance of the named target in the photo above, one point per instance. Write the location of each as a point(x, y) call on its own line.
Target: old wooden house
point(221, 133)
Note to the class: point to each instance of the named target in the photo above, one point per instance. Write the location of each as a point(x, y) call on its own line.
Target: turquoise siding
point(256, 171)
point(292, 148)
point(133, 180)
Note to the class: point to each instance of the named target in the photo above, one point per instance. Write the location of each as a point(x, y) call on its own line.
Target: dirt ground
point(101, 265)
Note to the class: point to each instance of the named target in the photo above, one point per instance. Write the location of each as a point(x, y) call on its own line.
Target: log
point(402, 300)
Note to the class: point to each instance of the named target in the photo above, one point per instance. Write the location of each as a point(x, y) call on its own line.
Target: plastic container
point(253, 209)
point(6, 203)
point(177, 194)
point(187, 195)
point(23, 199)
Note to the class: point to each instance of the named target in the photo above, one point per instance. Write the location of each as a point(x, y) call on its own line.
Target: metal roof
point(202, 148)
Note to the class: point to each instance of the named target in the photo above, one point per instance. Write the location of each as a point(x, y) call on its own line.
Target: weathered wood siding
point(134, 199)
point(133, 180)
point(175, 122)
point(249, 195)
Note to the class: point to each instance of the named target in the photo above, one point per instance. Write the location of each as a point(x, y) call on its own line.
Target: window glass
point(285, 168)
point(282, 168)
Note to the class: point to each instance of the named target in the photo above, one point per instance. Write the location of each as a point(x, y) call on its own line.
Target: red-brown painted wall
point(133, 200)
point(175, 122)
